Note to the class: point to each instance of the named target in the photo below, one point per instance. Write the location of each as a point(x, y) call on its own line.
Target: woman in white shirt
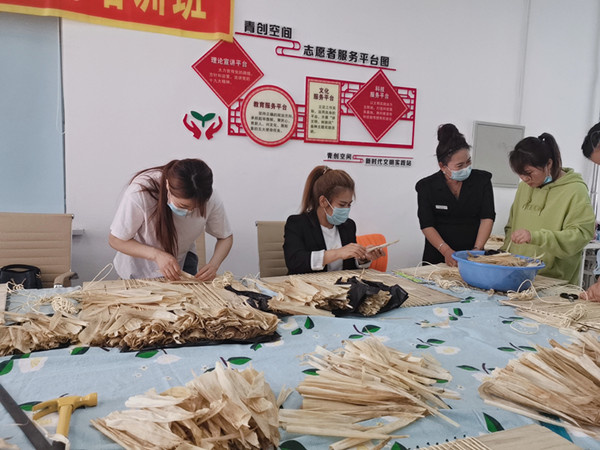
point(322, 237)
point(162, 213)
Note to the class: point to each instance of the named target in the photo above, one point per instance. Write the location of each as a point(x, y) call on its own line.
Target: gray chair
point(271, 261)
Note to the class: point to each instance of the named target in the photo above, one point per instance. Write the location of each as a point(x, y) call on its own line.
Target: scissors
point(570, 297)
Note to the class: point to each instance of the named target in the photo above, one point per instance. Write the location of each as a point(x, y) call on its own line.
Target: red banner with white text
point(202, 19)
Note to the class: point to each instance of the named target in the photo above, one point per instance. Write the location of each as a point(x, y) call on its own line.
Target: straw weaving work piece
point(531, 437)
point(580, 315)
point(366, 380)
point(418, 295)
point(561, 382)
point(136, 314)
point(219, 410)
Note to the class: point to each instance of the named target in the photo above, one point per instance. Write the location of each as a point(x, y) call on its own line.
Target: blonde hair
point(325, 181)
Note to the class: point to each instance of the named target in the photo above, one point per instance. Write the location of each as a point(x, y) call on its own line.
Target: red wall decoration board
point(228, 70)
point(202, 19)
point(269, 115)
point(320, 119)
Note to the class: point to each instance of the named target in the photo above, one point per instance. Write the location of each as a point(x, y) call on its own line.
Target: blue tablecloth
point(477, 338)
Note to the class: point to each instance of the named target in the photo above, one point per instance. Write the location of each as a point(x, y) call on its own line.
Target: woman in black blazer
point(456, 204)
point(322, 237)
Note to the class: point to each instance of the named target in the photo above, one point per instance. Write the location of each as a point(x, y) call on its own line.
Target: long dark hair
point(324, 181)
point(450, 140)
point(536, 152)
point(188, 179)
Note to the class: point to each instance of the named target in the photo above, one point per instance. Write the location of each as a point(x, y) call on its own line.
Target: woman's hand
point(593, 293)
point(374, 254)
point(352, 250)
point(521, 236)
point(447, 251)
point(207, 273)
point(167, 264)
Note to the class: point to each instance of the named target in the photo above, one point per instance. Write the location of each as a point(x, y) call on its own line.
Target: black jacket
point(455, 219)
point(303, 236)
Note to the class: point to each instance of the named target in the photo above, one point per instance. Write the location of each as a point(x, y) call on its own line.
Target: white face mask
point(182, 212)
point(339, 215)
point(178, 211)
point(461, 175)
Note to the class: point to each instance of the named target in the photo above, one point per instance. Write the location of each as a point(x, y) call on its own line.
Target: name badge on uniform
point(441, 207)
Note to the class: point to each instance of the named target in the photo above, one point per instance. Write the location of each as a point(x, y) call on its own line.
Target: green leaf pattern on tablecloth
point(398, 446)
point(6, 366)
point(370, 329)
point(311, 371)
point(146, 354)
point(365, 331)
point(239, 360)
point(511, 319)
point(292, 445)
point(256, 346)
point(515, 348)
point(29, 405)
point(79, 350)
point(308, 323)
point(492, 424)
point(297, 331)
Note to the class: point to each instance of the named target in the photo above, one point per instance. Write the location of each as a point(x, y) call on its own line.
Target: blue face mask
point(339, 216)
point(547, 180)
point(178, 211)
point(462, 174)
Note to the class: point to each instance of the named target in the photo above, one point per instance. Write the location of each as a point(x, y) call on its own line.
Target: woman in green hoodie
point(551, 217)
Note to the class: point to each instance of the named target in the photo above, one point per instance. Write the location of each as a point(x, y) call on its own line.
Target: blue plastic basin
point(492, 276)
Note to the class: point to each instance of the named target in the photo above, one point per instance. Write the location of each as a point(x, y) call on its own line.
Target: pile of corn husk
point(558, 381)
point(373, 303)
point(366, 380)
point(35, 331)
point(317, 294)
point(161, 314)
point(505, 259)
point(136, 314)
point(296, 295)
point(221, 409)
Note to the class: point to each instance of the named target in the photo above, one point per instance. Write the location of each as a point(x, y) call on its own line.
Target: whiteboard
point(492, 142)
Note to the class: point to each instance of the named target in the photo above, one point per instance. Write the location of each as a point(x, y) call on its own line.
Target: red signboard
point(203, 19)
point(378, 105)
point(228, 70)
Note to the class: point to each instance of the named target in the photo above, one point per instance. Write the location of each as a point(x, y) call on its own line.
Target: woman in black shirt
point(322, 237)
point(456, 204)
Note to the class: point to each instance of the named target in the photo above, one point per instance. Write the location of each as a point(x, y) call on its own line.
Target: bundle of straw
point(221, 409)
point(300, 296)
point(558, 381)
point(35, 331)
point(136, 314)
point(366, 380)
point(505, 259)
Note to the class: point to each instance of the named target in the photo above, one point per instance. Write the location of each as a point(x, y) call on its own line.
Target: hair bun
point(446, 132)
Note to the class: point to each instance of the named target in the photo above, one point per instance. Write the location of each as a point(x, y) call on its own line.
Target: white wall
point(126, 93)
